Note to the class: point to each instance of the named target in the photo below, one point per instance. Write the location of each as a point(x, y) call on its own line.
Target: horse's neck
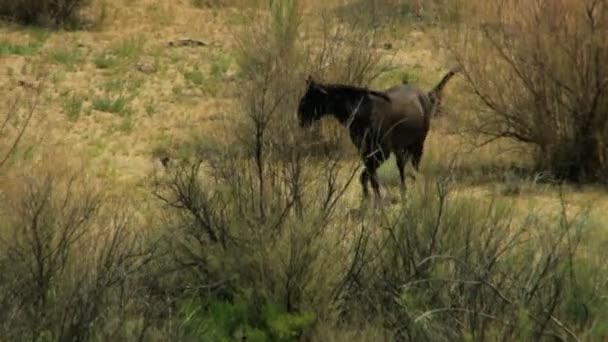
point(350, 111)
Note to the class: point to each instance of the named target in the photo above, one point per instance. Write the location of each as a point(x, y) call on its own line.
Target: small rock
point(146, 67)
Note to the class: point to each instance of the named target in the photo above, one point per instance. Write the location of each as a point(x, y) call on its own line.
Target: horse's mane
point(355, 90)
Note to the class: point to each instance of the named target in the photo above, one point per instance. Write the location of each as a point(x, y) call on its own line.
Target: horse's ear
point(309, 80)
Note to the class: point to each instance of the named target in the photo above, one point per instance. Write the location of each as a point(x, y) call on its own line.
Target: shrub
point(447, 267)
point(66, 258)
point(43, 12)
point(255, 320)
point(537, 70)
point(14, 122)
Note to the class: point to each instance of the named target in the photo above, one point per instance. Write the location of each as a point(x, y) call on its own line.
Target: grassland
point(118, 98)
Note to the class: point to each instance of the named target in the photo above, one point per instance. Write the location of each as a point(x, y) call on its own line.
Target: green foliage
point(285, 326)
point(218, 320)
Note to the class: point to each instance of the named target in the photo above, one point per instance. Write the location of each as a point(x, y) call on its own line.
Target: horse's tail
point(435, 94)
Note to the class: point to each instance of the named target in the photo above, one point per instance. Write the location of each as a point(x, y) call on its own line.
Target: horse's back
point(404, 94)
point(403, 119)
point(406, 103)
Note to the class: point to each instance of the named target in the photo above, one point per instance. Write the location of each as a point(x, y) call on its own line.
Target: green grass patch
point(221, 65)
point(126, 126)
point(122, 85)
point(119, 105)
point(67, 57)
point(73, 105)
point(114, 85)
point(195, 77)
point(129, 48)
point(28, 49)
point(39, 34)
point(151, 108)
point(105, 61)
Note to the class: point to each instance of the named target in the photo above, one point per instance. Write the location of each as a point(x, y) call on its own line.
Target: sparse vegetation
point(548, 86)
point(128, 48)
point(104, 61)
point(201, 210)
point(73, 105)
point(68, 57)
point(118, 105)
point(195, 76)
point(8, 48)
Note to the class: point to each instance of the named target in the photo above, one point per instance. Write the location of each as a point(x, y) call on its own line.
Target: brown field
point(162, 108)
point(116, 98)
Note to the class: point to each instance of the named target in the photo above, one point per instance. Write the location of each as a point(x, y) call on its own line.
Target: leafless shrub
point(15, 122)
point(448, 269)
point(538, 71)
point(65, 259)
point(256, 219)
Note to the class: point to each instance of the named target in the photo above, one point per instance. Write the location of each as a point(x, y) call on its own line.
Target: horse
point(396, 120)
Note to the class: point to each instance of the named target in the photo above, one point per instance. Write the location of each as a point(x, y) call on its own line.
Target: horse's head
point(313, 105)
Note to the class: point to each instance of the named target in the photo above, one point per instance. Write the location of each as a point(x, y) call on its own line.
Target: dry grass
point(118, 99)
point(166, 108)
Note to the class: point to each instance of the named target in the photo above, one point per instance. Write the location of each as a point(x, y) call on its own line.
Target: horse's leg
point(364, 178)
point(371, 165)
point(401, 158)
point(416, 151)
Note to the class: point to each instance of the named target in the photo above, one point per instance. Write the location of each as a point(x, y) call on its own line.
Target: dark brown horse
point(396, 120)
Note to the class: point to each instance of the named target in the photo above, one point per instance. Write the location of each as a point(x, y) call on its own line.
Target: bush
point(68, 260)
point(270, 225)
point(538, 72)
point(437, 266)
point(252, 319)
point(449, 267)
point(64, 13)
point(15, 121)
